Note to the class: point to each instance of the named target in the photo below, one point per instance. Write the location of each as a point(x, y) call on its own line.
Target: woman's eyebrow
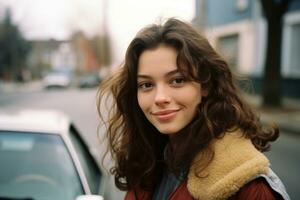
point(173, 72)
point(170, 73)
point(143, 76)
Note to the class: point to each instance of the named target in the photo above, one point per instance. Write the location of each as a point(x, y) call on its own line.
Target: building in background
point(40, 58)
point(86, 58)
point(80, 55)
point(238, 30)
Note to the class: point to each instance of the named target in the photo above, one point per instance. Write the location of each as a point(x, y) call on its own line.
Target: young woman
point(178, 128)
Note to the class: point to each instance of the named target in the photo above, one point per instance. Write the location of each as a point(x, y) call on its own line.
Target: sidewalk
point(20, 87)
point(287, 118)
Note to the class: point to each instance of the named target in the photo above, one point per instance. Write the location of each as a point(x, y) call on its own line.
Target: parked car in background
point(57, 79)
point(90, 80)
point(44, 157)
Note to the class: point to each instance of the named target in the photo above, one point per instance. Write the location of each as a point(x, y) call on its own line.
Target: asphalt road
point(80, 105)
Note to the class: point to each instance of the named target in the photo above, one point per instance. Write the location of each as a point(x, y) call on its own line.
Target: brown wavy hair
point(137, 146)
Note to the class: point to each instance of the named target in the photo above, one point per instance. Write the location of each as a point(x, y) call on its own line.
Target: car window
point(89, 165)
point(36, 166)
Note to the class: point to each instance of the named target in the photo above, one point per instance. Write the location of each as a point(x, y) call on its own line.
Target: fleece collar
point(236, 162)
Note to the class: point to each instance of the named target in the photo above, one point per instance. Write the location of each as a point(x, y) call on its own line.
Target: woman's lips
point(165, 115)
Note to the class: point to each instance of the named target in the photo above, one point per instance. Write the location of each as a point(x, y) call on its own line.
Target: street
point(80, 105)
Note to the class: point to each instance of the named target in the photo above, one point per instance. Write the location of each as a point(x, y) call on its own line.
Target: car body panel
point(44, 121)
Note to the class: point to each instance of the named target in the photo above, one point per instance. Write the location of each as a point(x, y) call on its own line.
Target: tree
point(14, 49)
point(274, 11)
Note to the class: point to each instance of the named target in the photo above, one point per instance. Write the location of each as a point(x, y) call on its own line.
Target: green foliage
point(13, 49)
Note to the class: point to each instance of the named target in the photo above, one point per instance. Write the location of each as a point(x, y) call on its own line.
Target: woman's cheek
point(142, 100)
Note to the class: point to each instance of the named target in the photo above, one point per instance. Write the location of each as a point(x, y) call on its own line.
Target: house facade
point(238, 30)
point(76, 55)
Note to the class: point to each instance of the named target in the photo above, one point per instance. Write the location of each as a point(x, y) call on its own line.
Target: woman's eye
point(145, 86)
point(178, 81)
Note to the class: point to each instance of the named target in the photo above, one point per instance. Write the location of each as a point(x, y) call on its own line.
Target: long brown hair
point(137, 146)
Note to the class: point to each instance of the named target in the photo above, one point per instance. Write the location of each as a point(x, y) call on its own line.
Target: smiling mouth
point(165, 115)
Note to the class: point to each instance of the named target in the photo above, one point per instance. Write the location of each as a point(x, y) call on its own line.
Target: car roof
point(40, 121)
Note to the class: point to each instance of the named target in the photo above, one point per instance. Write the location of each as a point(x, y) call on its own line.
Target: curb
point(20, 87)
point(289, 123)
point(286, 118)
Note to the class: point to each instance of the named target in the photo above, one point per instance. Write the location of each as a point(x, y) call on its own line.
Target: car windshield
point(36, 166)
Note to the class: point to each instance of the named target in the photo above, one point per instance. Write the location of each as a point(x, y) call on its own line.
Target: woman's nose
point(162, 96)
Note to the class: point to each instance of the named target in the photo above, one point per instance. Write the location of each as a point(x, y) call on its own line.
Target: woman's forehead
point(163, 57)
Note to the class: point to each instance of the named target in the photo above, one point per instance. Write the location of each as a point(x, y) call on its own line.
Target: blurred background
point(54, 54)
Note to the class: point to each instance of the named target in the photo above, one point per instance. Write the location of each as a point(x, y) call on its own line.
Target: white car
point(57, 79)
point(43, 157)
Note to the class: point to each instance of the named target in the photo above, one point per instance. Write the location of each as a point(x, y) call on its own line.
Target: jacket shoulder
point(236, 162)
point(257, 189)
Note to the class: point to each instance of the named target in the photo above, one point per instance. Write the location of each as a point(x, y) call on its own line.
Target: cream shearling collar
point(235, 163)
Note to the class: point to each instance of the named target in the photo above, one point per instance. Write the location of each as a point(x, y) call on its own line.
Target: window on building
point(228, 47)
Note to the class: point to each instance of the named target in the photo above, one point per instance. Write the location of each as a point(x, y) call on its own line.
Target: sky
point(45, 19)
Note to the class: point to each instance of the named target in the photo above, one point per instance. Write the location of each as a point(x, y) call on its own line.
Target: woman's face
point(168, 100)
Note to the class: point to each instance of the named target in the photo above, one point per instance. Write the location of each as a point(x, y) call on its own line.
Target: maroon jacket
point(257, 189)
